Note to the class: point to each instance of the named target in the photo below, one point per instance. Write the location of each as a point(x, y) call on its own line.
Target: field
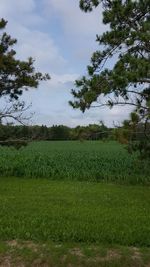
point(73, 204)
point(84, 216)
point(82, 161)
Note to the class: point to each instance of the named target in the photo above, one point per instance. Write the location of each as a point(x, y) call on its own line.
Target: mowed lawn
point(43, 210)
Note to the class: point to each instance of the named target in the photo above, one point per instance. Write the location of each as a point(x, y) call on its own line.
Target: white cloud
point(79, 28)
point(74, 21)
point(62, 79)
point(42, 48)
point(15, 7)
point(32, 42)
point(75, 117)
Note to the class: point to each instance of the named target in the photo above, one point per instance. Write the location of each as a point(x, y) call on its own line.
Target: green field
point(74, 204)
point(82, 161)
point(83, 215)
point(45, 210)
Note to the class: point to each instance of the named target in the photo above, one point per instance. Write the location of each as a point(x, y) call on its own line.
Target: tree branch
point(119, 103)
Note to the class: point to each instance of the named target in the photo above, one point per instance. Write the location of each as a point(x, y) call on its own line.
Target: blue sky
point(61, 38)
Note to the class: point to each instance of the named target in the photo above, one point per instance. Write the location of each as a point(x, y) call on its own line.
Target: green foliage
point(56, 132)
point(43, 210)
point(14, 143)
point(136, 135)
point(74, 160)
point(59, 132)
point(127, 42)
point(88, 5)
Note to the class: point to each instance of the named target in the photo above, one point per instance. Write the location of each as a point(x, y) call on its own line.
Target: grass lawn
point(87, 217)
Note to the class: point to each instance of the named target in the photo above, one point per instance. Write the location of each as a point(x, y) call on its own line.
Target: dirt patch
point(136, 254)
point(7, 262)
point(76, 252)
point(40, 263)
point(27, 244)
point(31, 245)
point(12, 243)
point(112, 254)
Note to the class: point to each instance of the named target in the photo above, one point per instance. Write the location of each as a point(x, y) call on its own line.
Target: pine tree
point(128, 41)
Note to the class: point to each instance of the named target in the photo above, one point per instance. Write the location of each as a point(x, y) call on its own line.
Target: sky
point(61, 39)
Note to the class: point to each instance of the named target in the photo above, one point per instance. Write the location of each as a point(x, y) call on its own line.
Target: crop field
point(82, 161)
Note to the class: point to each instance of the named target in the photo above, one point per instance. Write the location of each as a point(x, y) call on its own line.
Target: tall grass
point(73, 160)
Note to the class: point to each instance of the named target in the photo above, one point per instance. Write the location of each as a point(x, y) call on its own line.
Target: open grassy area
point(43, 210)
point(74, 160)
point(73, 224)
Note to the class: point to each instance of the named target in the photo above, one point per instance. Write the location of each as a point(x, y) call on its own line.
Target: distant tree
point(9, 132)
point(43, 133)
point(60, 132)
point(90, 132)
point(128, 42)
point(15, 77)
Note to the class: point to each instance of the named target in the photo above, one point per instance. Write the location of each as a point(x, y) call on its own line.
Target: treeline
point(60, 132)
point(56, 132)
